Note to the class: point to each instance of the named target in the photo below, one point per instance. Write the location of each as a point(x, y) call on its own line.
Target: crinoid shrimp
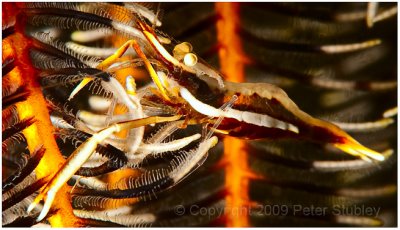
point(108, 121)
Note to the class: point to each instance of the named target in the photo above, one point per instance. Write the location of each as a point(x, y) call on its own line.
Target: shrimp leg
point(112, 59)
point(80, 155)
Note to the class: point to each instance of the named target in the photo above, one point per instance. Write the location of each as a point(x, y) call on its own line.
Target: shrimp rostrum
point(186, 92)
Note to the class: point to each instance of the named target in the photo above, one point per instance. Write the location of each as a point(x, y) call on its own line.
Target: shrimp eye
point(181, 50)
point(190, 59)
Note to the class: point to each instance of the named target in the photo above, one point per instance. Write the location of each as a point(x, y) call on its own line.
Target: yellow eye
point(190, 59)
point(181, 49)
point(185, 47)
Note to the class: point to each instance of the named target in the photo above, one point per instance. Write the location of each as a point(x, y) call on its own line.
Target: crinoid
point(107, 121)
